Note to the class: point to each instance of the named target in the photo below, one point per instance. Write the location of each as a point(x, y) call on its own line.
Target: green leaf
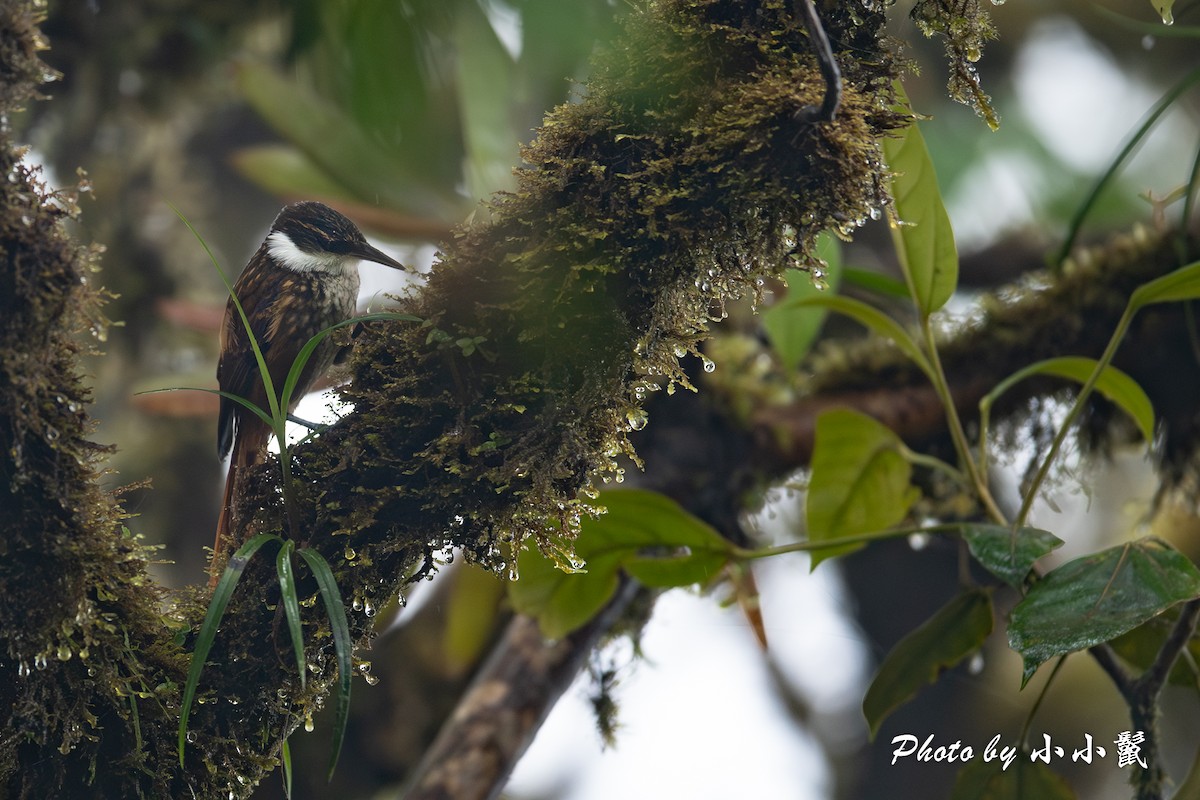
point(1182, 284)
point(792, 327)
point(1120, 389)
point(1099, 597)
point(683, 551)
point(1026, 778)
point(338, 145)
point(922, 234)
point(291, 606)
point(342, 645)
point(1141, 646)
point(876, 282)
point(287, 770)
point(1008, 555)
point(212, 622)
point(860, 480)
point(485, 81)
point(1163, 7)
point(949, 636)
point(876, 321)
point(284, 171)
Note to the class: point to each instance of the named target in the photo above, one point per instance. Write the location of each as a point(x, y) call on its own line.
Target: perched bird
point(302, 280)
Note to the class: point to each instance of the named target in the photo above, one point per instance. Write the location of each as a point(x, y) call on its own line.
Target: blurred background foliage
point(405, 114)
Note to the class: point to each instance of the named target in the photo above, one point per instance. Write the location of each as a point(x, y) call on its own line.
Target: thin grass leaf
point(258, 355)
point(1167, 100)
point(212, 621)
point(342, 645)
point(1182, 284)
point(263, 415)
point(287, 770)
point(291, 606)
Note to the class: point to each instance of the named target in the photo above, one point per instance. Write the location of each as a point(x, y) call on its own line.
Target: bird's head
point(311, 236)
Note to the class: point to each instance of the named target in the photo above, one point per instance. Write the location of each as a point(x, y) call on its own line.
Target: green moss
point(681, 180)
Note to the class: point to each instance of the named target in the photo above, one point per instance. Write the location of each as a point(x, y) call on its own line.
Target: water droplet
point(976, 664)
point(364, 667)
point(308, 723)
point(233, 700)
point(51, 433)
point(191, 737)
point(918, 541)
point(371, 679)
point(637, 419)
point(23, 669)
point(1148, 42)
point(40, 662)
point(709, 364)
point(680, 351)
point(349, 553)
point(63, 653)
point(368, 608)
point(357, 605)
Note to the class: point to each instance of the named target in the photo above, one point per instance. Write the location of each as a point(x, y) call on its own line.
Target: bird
point(302, 279)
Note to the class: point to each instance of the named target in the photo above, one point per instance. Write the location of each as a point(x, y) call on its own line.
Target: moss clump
point(683, 178)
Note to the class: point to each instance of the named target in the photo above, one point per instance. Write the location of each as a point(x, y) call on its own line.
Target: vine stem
point(942, 387)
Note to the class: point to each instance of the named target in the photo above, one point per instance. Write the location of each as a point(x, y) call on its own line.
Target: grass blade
point(342, 645)
point(287, 770)
point(291, 605)
point(212, 621)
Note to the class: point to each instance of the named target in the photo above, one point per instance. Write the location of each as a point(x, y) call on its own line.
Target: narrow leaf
point(291, 606)
point(1007, 554)
point(876, 321)
point(287, 770)
point(876, 282)
point(1120, 389)
point(949, 636)
point(342, 645)
point(1099, 597)
point(1025, 779)
point(212, 622)
point(860, 481)
point(920, 228)
point(791, 327)
point(1182, 284)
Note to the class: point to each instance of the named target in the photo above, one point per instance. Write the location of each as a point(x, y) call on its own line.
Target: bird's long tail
point(248, 447)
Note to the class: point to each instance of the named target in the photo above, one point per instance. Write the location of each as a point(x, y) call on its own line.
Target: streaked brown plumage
point(302, 279)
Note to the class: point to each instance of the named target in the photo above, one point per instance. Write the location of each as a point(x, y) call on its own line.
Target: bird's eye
point(339, 246)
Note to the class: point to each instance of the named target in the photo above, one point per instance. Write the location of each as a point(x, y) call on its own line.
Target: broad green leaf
point(485, 81)
point(1120, 389)
point(921, 228)
point(791, 327)
point(1163, 7)
point(860, 481)
point(949, 636)
point(562, 601)
point(1182, 284)
point(1099, 597)
point(643, 533)
point(337, 144)
point(1023, 780)
point(343, 647)
point(285, 171)
point(1006, 555)
point(1141, 646)
point(212, 622)
point(874, 320)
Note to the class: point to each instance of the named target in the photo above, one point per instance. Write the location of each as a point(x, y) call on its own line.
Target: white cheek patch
point(284, 250)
